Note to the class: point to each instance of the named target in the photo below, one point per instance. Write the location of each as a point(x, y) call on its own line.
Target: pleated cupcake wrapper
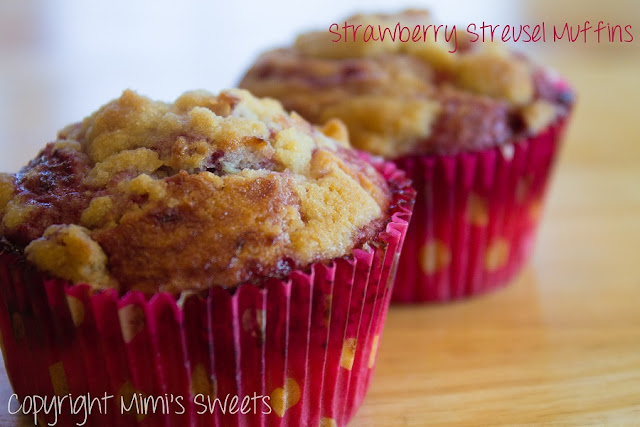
point(303, 349)
point(474, 219)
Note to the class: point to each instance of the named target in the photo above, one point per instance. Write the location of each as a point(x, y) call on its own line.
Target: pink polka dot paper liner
point(475, 217)
point(303, 348)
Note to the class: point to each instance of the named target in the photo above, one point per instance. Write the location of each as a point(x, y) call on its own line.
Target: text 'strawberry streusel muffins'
point(217, 247)
point(476, 128)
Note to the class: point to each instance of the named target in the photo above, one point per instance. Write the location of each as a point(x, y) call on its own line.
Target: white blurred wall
point(61, 60)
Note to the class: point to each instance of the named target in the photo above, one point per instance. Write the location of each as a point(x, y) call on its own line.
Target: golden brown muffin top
point(419, 97)
point(207, 191)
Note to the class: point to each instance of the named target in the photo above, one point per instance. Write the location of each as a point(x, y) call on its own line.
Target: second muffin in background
point(477, 131)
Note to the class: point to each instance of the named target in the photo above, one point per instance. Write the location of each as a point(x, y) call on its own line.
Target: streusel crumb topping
point(412, 96)
point(212, 190)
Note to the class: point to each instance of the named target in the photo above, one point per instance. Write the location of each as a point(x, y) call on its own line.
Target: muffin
point(168, 255)
point(475, 126)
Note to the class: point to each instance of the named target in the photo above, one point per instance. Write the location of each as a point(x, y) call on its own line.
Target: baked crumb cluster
point(207, 191)
point(400, 97)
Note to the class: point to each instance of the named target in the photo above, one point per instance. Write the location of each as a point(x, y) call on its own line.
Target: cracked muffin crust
point(207, 191)
point(400, 98)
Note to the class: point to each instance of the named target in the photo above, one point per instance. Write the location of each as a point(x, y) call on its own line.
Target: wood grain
point(561, 345)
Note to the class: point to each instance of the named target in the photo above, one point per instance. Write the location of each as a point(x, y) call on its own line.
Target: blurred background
point(59, 61)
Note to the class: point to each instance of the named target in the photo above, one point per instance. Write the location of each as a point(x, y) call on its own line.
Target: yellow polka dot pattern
point(435, 256)
point(374, 351)
point(497, 255)
point(477, 211)
point(126, 394)
point(201, 383)
point(58, 379)
point(76, 308)
point(283, 398)
point(348, 353)
point(327, 422)
point(132, 321)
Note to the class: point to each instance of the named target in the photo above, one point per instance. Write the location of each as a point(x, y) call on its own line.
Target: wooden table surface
point(561, 345)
